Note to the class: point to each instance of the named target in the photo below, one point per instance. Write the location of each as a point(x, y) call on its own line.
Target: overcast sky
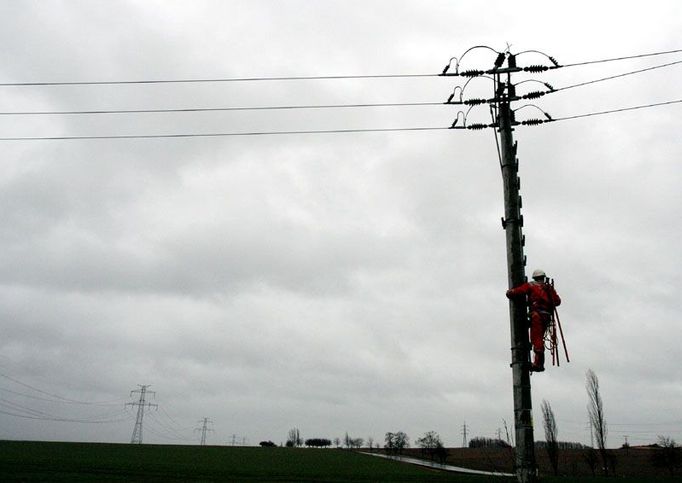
point(332, 282)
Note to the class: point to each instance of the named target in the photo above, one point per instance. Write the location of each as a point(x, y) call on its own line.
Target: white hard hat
point(539, 273)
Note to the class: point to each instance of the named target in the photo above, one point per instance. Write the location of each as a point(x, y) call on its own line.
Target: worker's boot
point(538, 361)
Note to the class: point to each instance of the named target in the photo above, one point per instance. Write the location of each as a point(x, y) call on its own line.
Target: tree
point(318, 442)
point(482, 442)
point(595, 409)
point(667, 455)
point(337, 442)
point(294, 438)
point(370, 443)
point(551, 435)
point(431, 445)
point(396, 442)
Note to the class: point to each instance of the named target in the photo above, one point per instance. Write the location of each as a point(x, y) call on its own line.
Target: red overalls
point(542, 298)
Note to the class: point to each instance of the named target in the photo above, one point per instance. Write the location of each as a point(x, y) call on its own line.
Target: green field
point(40, 461)
point(61, 462)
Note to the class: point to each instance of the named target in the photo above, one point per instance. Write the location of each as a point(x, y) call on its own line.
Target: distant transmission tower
point(141, 403)
point(204, 429)
point(464, 435)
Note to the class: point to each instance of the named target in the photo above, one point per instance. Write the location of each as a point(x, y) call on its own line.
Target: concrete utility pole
point(141, 403)
point(464, 435)
point(526, 468)
point(204, 429)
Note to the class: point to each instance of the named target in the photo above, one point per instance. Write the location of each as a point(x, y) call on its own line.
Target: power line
point(534, 122)
point(613, 59)
point(211, 109)
point(217, 79)
point(599, 113)
point(615, 76)
point(297, 107)
point(290, 78)
point(63, 420)
point(322, 131)
point(60, 398)
point(227, 134)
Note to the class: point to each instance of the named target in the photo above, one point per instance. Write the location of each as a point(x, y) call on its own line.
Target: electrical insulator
point(472, 73)
point(534, 95)
point(536, 68)
point(532, 122)
point(556, 64)
point(511, 62)
point(474, 102)
point(477, 126)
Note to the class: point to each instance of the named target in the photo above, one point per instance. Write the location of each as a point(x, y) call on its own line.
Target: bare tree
point(396, 442)
point(294, 438)
point(431, 445)
point(667, 455)
point(370, 443)
point(551, 435)
point(595, 409)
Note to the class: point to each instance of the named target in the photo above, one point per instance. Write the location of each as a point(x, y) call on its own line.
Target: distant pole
point(204, 429)
point(526, 469)
point(464, 435)
point(141, 404)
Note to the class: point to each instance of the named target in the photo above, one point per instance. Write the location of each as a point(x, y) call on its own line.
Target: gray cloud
point(334, 282)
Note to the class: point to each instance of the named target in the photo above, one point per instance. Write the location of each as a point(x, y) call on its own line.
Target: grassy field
point(40, 461)
point(79, 462)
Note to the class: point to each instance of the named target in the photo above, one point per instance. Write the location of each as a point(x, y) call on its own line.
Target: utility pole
point(464, 435)
point(204, 429)
point(503, 122)
point(141, 404)
point(526, 469)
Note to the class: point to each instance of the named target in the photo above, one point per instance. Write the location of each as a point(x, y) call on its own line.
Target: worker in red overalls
point(541, 299)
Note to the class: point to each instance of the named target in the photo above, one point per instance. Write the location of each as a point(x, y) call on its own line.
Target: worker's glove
point(509, 294)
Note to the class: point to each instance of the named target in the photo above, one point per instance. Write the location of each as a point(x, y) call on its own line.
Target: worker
point(541, 299)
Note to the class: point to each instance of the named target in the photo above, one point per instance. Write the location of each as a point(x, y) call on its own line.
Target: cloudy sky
point(349, 282)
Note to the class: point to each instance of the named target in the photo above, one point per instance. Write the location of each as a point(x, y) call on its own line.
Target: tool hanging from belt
point(551, 337)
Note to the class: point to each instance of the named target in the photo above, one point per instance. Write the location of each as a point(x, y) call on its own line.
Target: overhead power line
point(611, 111)
point(215, 79)
point(624, 74)
point(211, 109)
point(613, 59)
point(309, 106)
point(321, 131)
point(64, 420)
point(535, 122)
point(225, 134)
point(56, 396)
point(290, 78)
